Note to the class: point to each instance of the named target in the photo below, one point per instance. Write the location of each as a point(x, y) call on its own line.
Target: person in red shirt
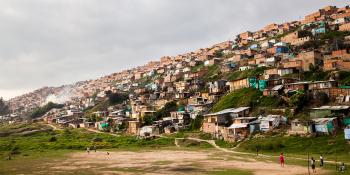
point(282, 160)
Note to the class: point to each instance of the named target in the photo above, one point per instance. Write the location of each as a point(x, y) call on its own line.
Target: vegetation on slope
point(112, 99)
point(344, 77)
point(40, 111)
point(245, 97)
point(213, 73)
point(245, 74)
point(161, 113)
point(116, 98)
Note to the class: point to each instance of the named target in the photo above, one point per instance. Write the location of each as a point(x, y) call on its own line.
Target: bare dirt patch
point(169, 162)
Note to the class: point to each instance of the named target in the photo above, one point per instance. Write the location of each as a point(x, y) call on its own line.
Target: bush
point(224, 144)
point(38, 112)
point(196, 123)
point(53, 139)
point(298, 100)
point(97, 139)
point(205, 136)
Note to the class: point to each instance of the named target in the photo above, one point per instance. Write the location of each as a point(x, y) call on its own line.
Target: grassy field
point(73, 139)
point(32, 150)
point(331, 147)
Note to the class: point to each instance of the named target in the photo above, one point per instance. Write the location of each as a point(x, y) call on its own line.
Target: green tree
point(38, 112)
point(149, 119)
point(165, 111)
point(298, 100)
point(196, 123)
point(4, 109)
point(116, 98)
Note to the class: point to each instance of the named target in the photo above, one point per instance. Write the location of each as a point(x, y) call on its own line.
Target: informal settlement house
point(327, 119)
point(217, 123)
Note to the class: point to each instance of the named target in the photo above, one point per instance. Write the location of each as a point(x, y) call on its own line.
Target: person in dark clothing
point(342, 167)
point(312, 162)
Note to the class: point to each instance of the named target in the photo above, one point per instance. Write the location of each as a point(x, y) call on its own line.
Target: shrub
point(52, 139)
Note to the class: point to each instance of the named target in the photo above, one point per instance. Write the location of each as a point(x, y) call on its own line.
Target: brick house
point(344, 27)
point(307, 58)
point(238, 84)
point(336, 64)
point(292, 63)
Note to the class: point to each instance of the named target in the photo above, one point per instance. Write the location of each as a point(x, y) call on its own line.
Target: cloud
point(50, 43)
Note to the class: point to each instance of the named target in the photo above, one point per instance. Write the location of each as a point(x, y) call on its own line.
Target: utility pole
point(308, 162)
point(336, 164)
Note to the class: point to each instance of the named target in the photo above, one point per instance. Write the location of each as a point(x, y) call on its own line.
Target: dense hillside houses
point(283, 65)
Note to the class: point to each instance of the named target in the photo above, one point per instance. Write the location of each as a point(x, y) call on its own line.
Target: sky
point(56, 42)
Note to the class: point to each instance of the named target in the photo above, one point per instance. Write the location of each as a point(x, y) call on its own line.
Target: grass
point(191, 143)
point(76, 139)
point(224, 144)
point(245, 97)
point(296, 145)
point(32, 162)
point(197, 68)
point(212, 73)
point(245, 74)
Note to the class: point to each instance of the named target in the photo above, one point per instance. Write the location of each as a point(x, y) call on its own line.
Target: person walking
point(321, 160)
point(282, 160)
point(312, 163)
point(94, 148)
point(342, 168)
point(88, 150)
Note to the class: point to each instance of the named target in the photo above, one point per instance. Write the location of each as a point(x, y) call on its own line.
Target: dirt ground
point(169, 162)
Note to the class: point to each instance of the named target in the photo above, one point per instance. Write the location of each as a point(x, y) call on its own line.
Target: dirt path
point(96, 131)
point(53, 126)
point(170, 162)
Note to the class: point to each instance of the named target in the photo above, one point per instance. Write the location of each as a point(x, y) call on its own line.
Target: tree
point(38, 112)
point(165, 111)
point(196, 123)
point(4, 109)
point(115, 98)
point(149, 119)
point(298, 100)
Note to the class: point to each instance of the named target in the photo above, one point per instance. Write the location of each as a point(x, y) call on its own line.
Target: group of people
point(313, 163)
point(93, 148)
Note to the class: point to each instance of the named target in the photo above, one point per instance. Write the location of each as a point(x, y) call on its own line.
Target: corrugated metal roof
point(238, 125)
point(229, 110)
point(323, 120)
point(331, 108)
point(278, 87)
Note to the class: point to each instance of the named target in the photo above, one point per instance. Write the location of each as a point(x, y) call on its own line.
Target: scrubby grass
point(192, 143)
point(245, 74)
point(225, 144)
point(212, 74)
point(296, 145)
point(197, 68)
point(245, 97)
point(76, 139)
point(31, 162)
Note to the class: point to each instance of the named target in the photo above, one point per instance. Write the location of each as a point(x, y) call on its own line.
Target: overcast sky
point(55, 42)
